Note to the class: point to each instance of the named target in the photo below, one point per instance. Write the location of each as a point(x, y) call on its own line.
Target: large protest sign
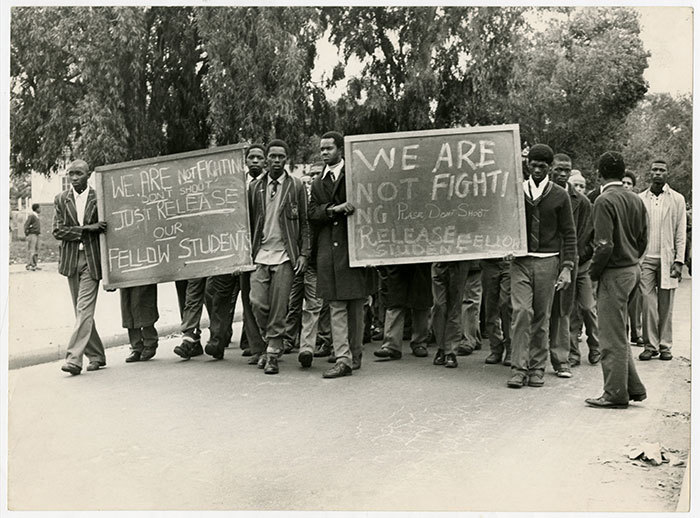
point(440, 195)
point(174, 217)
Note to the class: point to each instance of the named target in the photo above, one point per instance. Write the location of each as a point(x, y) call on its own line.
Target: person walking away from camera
point(76, 226)
point(620, 228)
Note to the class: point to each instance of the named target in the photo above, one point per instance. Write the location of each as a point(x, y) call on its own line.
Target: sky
point(667, 33)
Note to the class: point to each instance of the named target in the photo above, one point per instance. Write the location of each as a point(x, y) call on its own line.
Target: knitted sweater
point(555, 231)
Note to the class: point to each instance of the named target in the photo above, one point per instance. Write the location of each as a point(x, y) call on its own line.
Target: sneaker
point(564, 372)
point(517, 380)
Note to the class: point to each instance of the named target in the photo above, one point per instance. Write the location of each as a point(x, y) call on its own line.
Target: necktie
point(330, 172)
point(535, 224)
point(273, 190)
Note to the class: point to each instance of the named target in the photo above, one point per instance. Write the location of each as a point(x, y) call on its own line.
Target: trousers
point(269, 296)
point(84, 339)
point(347, 326)
point(495, 279)
point(620, 378)
point(657, 306)
point(448, 291)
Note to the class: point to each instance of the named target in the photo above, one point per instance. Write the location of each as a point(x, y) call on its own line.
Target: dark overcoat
point(336, 280)
point(407, 285)
point(139, 305)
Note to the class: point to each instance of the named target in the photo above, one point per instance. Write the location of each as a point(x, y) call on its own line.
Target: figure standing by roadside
point(32, 231)
point(662, 267)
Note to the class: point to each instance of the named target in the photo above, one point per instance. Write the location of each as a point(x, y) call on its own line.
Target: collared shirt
point(335, 169)
point(534, 190)
point(655, 209)
point(272, 248)
point(609, 184)
point(80, 202)
point(249, 178)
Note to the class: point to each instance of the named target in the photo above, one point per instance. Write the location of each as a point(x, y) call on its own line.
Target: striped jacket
point(66, 229)
point(292, 217)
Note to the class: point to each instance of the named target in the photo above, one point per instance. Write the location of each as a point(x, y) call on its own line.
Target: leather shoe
point(601, 402)
point(134, 356)
point(451, 361)
point(214, 351)
point(197, 350)
point(420, 351)
point(535, 379)
point(385, 353)
point(506, 360)
point(575, 363)
point(648, 354)
point(464, 350)
point(322, 352)
point(271, 366)
point(594, 356)
point(638, 397)
point(305, 358)
point(339, 370)
point(73, 369)
point(93, 366)
point(254, 358)
point(517, 380)
point(493, 358)
point(439, 357)
point(246, 352)
point(262, 361)
point(148, 353)
point(332, 358)
point(665, 355)
point(356, 363)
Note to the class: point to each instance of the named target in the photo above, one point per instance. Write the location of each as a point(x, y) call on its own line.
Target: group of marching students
point(303, 297)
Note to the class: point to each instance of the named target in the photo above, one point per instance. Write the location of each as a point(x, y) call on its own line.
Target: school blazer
point(292, 216)
point(65, 229)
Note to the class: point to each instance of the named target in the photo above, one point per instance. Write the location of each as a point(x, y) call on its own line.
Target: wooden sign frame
point(351, 185)
point(101, 173)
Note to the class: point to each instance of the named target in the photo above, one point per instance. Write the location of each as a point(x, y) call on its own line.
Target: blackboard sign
point(439, 195)
point(174, 217)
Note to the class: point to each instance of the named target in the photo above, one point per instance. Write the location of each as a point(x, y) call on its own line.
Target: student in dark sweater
point(551, 245)
point(620, 229)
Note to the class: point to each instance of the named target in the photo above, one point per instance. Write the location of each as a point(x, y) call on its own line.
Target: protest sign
point(435, 195)
point(174, 217)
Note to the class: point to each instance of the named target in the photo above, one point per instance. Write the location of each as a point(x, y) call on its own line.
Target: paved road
point(208, 434)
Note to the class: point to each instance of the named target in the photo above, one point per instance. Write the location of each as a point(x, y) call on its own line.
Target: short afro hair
point(255, 146)
point(279, 143)
point(336, 136)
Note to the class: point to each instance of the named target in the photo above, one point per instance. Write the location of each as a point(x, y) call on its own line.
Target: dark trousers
point(585, 313)
point(620, 377)
point(220, 295)
point(448, 289)
point(495, 279)
point(142, 338)
point(250, 326)
point(532, 282)
point(294, 309)
point(193, 306)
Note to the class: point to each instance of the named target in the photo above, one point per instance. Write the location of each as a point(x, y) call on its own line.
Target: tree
point(424, 67)
point(661, 127)
point(107, 84)
point(260, 62)
point(575, 83)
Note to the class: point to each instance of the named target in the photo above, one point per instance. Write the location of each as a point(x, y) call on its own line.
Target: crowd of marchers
point(602, 266)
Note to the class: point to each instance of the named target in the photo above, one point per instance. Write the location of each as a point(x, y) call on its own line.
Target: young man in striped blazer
point(76, 225)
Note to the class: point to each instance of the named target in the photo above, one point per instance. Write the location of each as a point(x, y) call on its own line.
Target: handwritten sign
point(174, 217)
point(440, 195)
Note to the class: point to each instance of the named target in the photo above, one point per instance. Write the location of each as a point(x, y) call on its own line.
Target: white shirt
point(80, 202)
point(335, 169)
point(655, 209)
point(534, 190)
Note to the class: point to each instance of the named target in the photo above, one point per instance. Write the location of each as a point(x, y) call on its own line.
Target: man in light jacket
point(662, 265)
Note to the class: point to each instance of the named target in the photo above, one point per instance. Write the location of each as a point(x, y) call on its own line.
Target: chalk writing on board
point(435, 195)
point(175, 217)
